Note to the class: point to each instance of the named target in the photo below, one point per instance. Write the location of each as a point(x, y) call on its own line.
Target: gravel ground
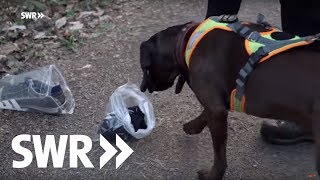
point(167, 153)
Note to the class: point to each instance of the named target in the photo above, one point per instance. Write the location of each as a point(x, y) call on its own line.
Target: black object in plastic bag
point(129, 114)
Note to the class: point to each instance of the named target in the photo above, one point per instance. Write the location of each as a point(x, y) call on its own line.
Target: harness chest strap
point(259, 46)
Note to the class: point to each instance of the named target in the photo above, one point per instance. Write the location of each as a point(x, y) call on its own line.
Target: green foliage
point(20, 22)
point(57, 2)
point(71, 13)
point(104, 2)
point(71, 43)
point(3, 41)
point(90, 4)
point(33, 5)
point(106, 25)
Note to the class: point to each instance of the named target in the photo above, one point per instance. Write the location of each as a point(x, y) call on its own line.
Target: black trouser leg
point(220, 7)
point(300, 17)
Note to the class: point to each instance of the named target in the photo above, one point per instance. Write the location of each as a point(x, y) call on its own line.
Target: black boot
point(222, 7)
point(283, 133)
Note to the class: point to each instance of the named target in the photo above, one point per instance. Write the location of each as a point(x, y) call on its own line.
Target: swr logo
point(31, 15)
point(57, 154)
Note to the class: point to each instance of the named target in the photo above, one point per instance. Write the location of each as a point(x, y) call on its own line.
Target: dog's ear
point(144, 84)
point(180, 84)
point(145, 62)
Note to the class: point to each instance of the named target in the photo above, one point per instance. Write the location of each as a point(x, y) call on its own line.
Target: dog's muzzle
point(146, 81)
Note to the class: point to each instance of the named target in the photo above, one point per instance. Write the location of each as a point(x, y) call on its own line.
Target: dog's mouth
point(162, 87)
point(151, 86)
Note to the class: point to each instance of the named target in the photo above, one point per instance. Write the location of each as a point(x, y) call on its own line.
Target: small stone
point(40, 35)
point(5, 127)
point(97, 13)
point(43, 24)
point(76, 25)
point(85, 67)
point(9, 48)
point(11, 62)
point(15, 27)
point(13, 35)
point(119, 17)
point(105, 17)
point(85, 14)
point(70, 6)
point(2, 57)
point(61, 22)
point(93, 23)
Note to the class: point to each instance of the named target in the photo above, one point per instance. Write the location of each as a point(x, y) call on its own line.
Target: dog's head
point(158, 60)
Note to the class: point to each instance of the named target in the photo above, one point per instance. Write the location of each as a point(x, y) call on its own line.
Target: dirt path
point(167, 153)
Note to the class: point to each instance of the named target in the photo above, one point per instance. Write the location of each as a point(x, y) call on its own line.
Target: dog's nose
point(143, 88)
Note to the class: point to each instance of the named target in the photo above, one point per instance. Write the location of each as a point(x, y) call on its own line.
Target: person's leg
point(303, 19)
point(300, 18)
point(283, 133)
point(221, 7)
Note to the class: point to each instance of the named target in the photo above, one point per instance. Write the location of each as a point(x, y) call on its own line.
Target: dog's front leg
point(218, 129)
point(197, 125)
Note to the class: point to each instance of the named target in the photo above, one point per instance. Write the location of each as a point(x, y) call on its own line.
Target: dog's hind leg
point(197, 125)
point(218, 129)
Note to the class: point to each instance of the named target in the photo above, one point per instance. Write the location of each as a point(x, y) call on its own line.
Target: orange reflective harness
point(260, 46)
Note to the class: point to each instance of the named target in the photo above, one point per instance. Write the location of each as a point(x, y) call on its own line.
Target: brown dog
point(286, 87)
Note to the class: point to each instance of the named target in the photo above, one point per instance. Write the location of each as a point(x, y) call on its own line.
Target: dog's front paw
point(208, 175)
point(203, 174)
point(192, 128)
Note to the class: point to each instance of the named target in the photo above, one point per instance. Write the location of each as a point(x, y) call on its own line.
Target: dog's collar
point(182, 41)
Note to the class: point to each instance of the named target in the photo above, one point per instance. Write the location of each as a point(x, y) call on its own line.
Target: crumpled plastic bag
point(42, 90)
point(124, 99)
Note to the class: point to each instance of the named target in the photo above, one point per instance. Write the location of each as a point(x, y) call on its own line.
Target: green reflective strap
point(237, 105)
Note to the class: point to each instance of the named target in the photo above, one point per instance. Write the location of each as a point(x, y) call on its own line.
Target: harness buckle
point(249, 37)
point(254, 36)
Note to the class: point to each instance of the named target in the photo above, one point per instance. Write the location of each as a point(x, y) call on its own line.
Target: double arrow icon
point(126, 151)
point(40, 15)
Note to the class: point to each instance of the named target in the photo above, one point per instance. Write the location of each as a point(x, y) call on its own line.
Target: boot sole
point(278, 141)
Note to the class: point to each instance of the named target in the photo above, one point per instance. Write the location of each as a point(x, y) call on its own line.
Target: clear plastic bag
point(43, 90)
point(118, 116)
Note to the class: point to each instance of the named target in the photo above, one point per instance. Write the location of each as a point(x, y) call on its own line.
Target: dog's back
point(284, 87)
